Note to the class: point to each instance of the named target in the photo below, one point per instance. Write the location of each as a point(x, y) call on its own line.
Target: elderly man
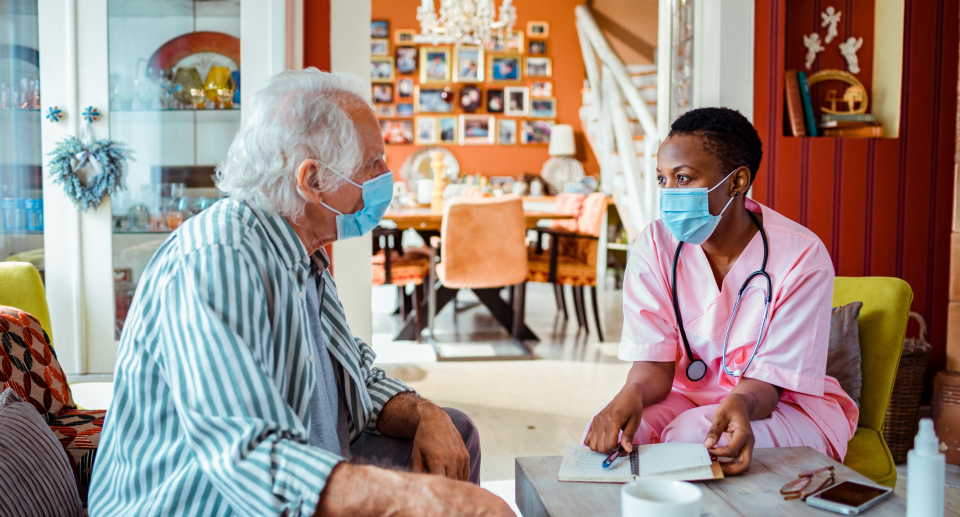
point(239, 387)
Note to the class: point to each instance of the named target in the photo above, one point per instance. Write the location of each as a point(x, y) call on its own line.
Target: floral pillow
point(28, 364)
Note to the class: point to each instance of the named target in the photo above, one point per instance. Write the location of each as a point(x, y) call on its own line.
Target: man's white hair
point(300, 115)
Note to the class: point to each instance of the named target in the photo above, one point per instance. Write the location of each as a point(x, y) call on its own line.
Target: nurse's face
point(682, 162)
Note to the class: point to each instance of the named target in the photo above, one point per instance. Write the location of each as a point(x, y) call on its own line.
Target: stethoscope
point(697, 369)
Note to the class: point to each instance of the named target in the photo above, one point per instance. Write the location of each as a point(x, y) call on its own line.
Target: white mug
point(660, 497)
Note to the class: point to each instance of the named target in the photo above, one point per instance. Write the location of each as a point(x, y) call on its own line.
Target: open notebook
point(680, 461)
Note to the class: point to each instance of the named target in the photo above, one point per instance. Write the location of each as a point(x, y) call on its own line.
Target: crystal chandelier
point(468, 22)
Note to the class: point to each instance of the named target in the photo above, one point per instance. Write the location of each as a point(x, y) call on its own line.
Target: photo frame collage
point(497, 94)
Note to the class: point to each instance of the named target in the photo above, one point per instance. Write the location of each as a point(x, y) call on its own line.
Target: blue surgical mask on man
point(377, 194)
point(686, 212)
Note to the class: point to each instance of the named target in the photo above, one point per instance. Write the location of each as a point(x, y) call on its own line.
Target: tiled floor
point(528, 408)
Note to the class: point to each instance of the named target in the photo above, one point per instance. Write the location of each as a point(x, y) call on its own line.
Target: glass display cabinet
point(165, 78)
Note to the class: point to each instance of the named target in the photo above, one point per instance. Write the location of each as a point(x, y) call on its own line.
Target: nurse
point(778, 397)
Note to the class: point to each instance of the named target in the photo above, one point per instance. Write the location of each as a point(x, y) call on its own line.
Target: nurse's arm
point(647, 383)
point(751, 399)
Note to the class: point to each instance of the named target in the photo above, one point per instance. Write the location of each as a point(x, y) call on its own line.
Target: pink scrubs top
point(793, 352)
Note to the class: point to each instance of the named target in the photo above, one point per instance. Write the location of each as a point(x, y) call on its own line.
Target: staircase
point(617, 117)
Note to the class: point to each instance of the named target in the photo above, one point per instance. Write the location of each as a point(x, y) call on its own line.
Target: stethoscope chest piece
point(696, 370)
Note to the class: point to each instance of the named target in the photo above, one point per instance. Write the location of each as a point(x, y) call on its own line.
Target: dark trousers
point(396, 451)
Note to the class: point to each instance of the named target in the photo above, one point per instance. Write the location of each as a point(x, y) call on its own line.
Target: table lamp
point(562, 167)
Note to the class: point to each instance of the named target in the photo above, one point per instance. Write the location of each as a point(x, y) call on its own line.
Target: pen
point(609, 461)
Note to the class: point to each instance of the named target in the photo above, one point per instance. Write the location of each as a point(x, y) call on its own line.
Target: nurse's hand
point(622, 413)
point(733, 419)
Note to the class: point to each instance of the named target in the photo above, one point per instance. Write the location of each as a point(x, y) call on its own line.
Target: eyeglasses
point(797, 489)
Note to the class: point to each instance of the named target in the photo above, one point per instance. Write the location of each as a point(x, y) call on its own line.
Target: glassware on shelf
point(138, 218)
point(225, 98)
point(236, 86)
point(14, 214)
point(157, 222)
point(187, 79)
point(217, 79)
point(174, 219)
point(198, 98)
point(33, 211)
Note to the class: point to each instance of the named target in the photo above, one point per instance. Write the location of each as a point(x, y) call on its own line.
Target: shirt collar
point(289, 247)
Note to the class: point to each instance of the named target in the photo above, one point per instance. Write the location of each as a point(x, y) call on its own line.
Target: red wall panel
point(883, 207)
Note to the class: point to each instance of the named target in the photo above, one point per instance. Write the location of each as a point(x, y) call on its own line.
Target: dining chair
point(482, 245)
point(399, 266)
point(572, 259)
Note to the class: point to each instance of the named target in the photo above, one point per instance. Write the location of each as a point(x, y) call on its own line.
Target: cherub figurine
point(849, 50)
point(812, 42)
point(830, 20)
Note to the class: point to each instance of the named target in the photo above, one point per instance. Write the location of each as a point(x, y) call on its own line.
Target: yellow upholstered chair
point(882, 326)
point(21, 287)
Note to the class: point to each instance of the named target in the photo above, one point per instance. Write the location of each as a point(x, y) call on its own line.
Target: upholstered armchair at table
point(482, 245)
point(393, 264)
point(573, 258)
point(882, 325)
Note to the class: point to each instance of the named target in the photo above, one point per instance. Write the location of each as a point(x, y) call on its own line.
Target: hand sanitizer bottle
point(926, 468)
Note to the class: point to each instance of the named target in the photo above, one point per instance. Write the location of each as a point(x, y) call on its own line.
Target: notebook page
point(670, 457)
point(581, 464)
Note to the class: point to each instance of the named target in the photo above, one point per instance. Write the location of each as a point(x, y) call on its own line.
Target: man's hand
point(438, 447)
point(366, 491)
point(733, 419)
point(623, 412)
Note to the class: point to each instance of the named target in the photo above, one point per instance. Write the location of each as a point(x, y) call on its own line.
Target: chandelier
point(468, 22)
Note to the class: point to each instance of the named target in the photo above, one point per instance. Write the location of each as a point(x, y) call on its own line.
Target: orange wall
point(568, 76)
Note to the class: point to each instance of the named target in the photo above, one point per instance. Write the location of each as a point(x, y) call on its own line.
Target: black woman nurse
point(726, 312)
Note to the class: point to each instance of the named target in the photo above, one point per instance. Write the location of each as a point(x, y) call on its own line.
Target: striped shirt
point(211, 412)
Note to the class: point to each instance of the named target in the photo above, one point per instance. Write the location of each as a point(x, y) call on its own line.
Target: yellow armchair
point(882, 326)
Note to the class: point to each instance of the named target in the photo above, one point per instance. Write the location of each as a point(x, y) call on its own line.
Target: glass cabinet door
point(174, 75)
point(21, 191)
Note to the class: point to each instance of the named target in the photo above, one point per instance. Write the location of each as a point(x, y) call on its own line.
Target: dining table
point(427, 222)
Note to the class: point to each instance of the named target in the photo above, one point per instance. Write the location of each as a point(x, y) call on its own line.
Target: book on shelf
point(848, 117)
point(833, 124)
point(794, 104)
point(864, 131)
point(807, 104)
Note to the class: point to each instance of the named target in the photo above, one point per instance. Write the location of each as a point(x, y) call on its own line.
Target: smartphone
point(849, 497)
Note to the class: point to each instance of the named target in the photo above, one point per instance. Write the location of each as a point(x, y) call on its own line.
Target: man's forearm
point(401, 415)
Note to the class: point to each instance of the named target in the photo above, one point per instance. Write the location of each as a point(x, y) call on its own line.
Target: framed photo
point(541, 89)
point(477, 129)
point(507, 131)
point(381, 69)
point(386, 110)
point(379, 47)
point(406, 60)
point(514, 42)
point(468, 64)
point(495, 101)
point(397, 131)
point(404, 109)
point(448, 130)
point(543, 108)
point(538, 29)
point(536, 131)
point(433, 100)
point(539, 67)
point(382, 93)
point(517, 101)
point(434, 65)
point(536, 47)
point(379, 29)
point(504, 69)
point(427, 131)
point(470, 99)
point(404, 36)
point(405, 88)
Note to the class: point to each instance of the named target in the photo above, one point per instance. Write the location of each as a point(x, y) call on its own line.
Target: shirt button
point(302, 296)
point(289, 263)
point(310, 358)
point(306, 260)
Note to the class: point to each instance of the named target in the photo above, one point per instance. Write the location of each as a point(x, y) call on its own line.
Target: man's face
point(348, 198)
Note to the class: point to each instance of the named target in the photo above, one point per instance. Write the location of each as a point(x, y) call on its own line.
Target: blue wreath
point(109, 154)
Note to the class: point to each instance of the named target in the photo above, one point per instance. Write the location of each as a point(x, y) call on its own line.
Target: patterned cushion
point(408, 269)
point(570, 271)
point(843, 353)
point(35, 477)
point(29, 366)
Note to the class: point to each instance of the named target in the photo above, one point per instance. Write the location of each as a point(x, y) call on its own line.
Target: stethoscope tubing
point(697, 368)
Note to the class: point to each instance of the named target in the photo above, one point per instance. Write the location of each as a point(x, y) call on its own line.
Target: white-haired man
point(239, 387)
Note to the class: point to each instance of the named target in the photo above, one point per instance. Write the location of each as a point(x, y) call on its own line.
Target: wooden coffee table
point(756, 493)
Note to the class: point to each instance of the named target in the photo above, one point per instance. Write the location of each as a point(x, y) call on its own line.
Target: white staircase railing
point(630, 180)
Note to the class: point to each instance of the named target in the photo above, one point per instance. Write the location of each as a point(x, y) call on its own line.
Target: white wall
point(350, 54)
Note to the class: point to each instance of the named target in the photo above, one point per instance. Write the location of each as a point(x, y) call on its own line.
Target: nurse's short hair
point(301, 114)
point(728, 135)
